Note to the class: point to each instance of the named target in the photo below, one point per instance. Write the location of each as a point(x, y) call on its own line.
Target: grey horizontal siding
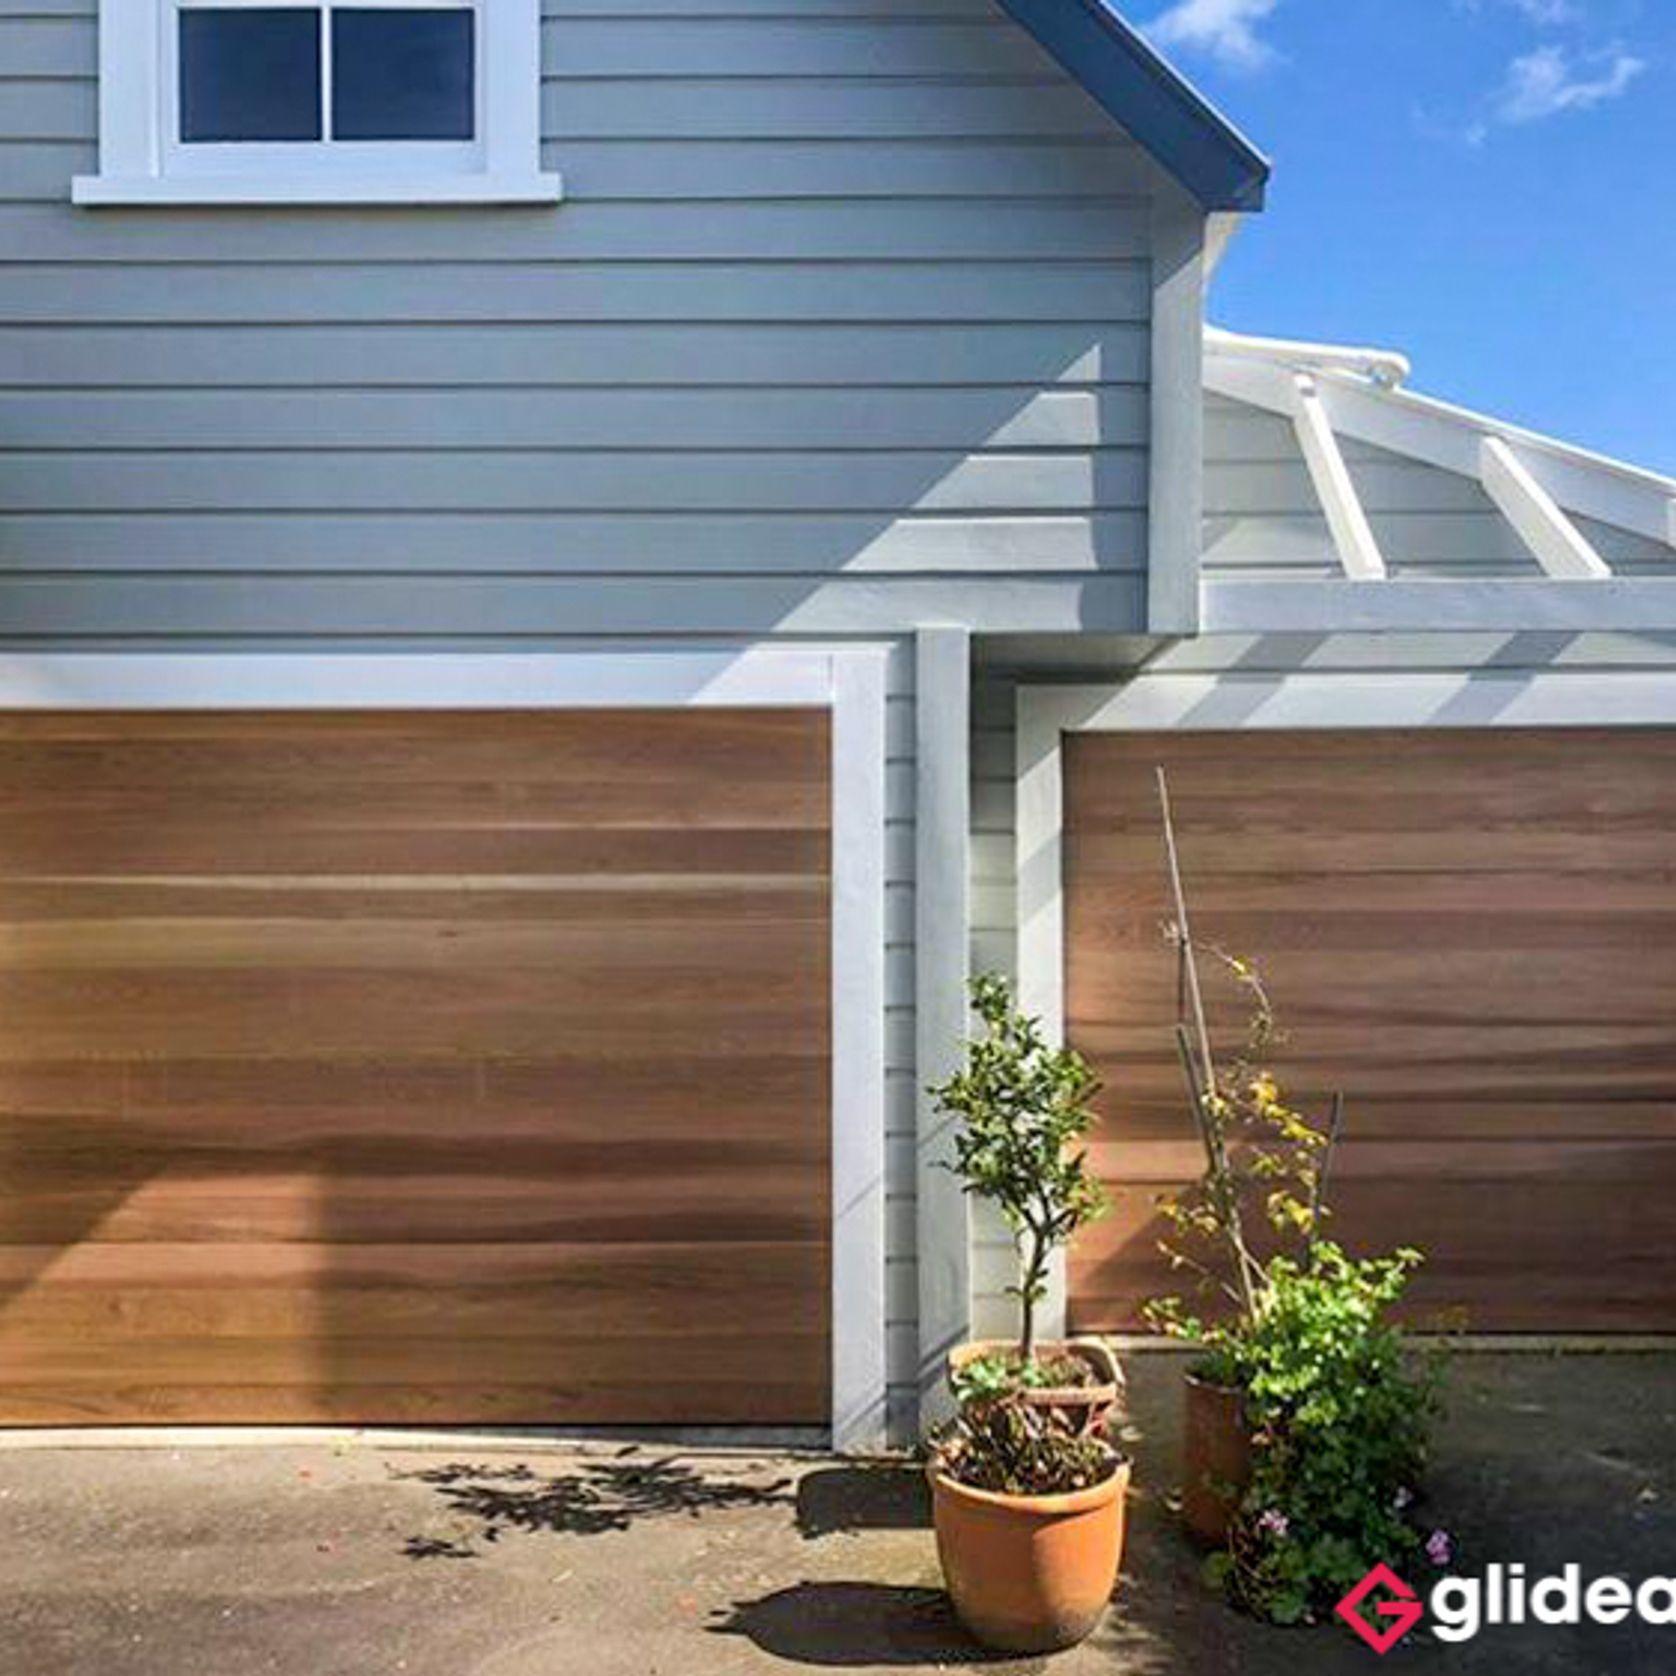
point(848, 303)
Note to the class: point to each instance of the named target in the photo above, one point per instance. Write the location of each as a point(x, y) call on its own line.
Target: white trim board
point(1211, 703)
point(1575, 604)
point(850, 681)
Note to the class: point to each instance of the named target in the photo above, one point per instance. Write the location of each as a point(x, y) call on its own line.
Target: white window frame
point(142, 160)
point(847, 681)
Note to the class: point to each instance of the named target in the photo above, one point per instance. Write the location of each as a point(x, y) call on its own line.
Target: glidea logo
point(1460, 1608)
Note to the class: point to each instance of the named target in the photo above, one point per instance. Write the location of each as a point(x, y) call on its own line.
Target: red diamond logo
point(1402, 1613)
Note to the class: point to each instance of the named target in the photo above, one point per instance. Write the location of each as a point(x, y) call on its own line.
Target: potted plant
point(1306, 1420)
point(1027, 1492)
point(1030, 1518)
point(1023, 1108)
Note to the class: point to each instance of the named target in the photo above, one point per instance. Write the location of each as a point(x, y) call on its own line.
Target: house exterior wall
point(842, 326)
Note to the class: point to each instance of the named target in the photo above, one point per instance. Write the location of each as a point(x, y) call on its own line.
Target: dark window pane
point(249, 75)
point(402, 75)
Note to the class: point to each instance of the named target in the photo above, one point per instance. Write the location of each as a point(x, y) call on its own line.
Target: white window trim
point(139, 162)
point(849, 681)
point(1234, 702)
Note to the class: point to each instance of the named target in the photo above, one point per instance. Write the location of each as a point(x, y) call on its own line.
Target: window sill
point(233, 190)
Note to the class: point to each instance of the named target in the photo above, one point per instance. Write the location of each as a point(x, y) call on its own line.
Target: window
point(307, 101)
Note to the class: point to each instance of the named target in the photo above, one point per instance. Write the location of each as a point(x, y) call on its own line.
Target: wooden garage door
point(1473, 934)
point(414, 1067)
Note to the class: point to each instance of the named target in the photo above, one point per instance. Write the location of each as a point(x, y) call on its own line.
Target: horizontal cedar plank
point(262, 901)
point(347, 1202)
point(752, 1396)
point(366, 946)
point(202, 847)
point(270, 1102)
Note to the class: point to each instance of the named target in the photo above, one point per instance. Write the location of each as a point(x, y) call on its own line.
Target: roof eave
point(1140, 89)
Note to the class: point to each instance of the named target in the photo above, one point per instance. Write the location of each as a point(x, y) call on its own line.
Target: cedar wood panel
point(403, 1068)
point(1473, 934)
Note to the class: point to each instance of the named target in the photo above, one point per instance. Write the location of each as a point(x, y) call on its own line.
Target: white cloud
point(1225, 29)
point(1550, 81)
point(1546, 13)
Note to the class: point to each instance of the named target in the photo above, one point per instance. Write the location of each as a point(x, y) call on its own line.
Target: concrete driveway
point(359, 1559)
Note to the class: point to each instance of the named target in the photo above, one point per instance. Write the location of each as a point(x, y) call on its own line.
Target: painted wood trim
point(1353, 537)
point(136, 104)
point(859, 1355)
point(1645, 605)
point(1554, 541)
point(1175, 506)
point(851, 680)
point(1042, 717)
point(414, 190)
point(942, 930)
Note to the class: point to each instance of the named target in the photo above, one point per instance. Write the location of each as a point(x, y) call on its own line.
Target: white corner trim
point(849, 680)
point(859, 1370)
point(1554, 541)
point(942, 932)
point(1353, 537)
point(138, 191)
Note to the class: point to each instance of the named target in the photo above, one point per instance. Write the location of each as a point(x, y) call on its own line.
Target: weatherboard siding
point(843, 325)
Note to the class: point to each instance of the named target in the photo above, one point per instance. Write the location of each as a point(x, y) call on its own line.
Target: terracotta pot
point(1086, 1408)
point(1030, 1574)
point(1216, 1451)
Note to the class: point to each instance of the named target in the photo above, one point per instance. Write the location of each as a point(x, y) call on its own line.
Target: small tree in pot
point(1028, 1494)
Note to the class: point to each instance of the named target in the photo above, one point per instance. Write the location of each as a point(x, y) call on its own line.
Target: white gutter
point(1384, 367)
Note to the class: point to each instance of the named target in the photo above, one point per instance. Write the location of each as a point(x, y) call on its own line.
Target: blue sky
point(1487, 185)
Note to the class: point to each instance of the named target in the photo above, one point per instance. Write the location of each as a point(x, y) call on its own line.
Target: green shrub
point(1023, 1105)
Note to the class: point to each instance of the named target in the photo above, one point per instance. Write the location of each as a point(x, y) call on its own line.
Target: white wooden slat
point(1555, 542)
point(1353, 537)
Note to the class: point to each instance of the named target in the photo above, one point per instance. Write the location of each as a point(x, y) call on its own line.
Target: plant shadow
point(849, 1499)
point(591, 1498)
point(849, 1626)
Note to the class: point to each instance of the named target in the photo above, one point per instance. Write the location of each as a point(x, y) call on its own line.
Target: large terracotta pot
point(1216, 1451)
point(1086, 1408)
point(1030, 1574)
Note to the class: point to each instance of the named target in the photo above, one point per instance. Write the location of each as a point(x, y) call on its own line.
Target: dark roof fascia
point(1159, 107)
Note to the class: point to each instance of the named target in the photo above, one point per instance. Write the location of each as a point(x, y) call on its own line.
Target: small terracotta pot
point(1030, 1574)
point(1086, 1408)
point(1216, 1458)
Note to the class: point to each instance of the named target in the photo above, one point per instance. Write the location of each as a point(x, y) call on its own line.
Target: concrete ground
point(361, 1559)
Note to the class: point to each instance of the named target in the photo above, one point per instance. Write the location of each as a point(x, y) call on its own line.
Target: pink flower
point(1440, 1548)
point(1274, 1523)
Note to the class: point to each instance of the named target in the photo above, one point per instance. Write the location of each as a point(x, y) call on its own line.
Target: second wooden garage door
point(1472, 934)
point(414, 1067)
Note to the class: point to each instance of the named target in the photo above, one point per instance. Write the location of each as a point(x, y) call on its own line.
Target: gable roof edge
point(1135, 84)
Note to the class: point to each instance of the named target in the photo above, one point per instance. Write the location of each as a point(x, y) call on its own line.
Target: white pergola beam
point(1353, 537)
point(1423, 428)
point(1555, 542)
